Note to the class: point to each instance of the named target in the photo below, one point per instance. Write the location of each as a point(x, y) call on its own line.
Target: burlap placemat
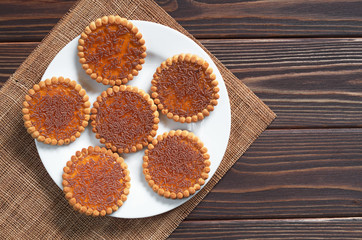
point(31, 205)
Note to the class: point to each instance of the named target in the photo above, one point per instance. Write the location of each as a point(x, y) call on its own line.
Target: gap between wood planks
point(288, 219)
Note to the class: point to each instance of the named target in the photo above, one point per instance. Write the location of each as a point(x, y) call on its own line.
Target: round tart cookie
point(176, 164)
point(96, 181)
point(184, 88)
point(111, 50)
point(56, 111)
point(124, 118)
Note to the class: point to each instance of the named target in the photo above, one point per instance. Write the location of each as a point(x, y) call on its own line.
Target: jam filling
point(175, 164)
point(184, 88)
point(97, 181)
point(124, 119)
point(56, 112)
point(112, 51)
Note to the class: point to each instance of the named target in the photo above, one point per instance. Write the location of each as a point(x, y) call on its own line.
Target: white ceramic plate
point(162, 42)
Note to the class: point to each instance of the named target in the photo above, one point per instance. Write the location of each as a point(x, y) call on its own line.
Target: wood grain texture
point(291, 174)
point(308, 83)
point(11, 56)
point(30, 20)
point(24, 20)
point(258, 18)
point(325, 228)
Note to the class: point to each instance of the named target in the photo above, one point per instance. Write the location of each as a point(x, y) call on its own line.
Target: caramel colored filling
point(184, 88)
point(97, 181)
point(124, 119)
point(175, 164)
point(56, 111)
point(112, 51)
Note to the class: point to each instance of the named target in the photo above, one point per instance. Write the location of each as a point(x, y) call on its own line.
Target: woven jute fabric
point(31, 205)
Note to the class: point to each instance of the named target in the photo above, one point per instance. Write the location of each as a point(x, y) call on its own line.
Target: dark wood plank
point(325, 228)
point(25, 20)
point(291, 174)
point(30, 20)
point(11, 56)
point(258, 18)
point(309, 83)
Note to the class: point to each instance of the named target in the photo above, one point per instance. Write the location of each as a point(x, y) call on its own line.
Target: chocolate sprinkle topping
point(175, 164)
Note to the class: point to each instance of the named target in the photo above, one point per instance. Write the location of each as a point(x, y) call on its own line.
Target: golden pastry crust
point(178, 173)
point(184, 88)
point(96, 181)
point(111, 50)
point(56, 111)
point(124, 118)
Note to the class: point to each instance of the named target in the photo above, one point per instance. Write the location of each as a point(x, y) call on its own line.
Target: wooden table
point(302, 177)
